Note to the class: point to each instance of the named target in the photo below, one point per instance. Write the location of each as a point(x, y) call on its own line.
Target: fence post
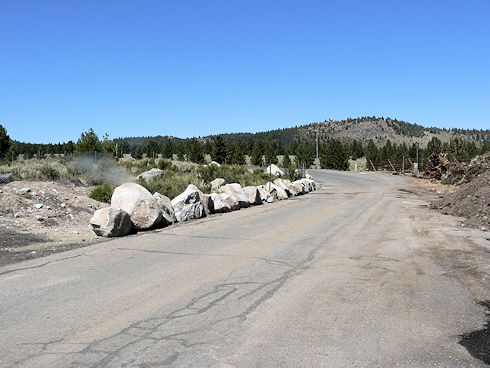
point(372, 165)
point(393, 167)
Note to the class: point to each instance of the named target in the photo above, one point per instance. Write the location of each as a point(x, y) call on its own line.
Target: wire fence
point(401, 165)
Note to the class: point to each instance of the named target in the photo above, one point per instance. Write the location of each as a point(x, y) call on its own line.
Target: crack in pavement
point(166, 331)
point(220, 292)
point(41, 265)
point(267, 260)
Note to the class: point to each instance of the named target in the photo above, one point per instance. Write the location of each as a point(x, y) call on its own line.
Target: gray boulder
point(151, 174)
point(276, 191)
point(253, 195)
point(282, 184)
point(291, 188)
point(236, 193)
point(274, 170)
point(310, 184)
point(298, 187)
point(188, 205)
point(23, 191)
point(206, 202)
point(168, 214)
point(142, 207)
point(222, 202)
point(304, 187)
point(265, 196)
point(6, 178)
point(111, 222)
point(217, 183)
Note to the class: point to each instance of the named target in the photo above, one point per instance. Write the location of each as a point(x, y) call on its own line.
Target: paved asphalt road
point(357, 274)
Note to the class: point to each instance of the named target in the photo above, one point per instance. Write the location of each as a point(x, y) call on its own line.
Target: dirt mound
point(471, 201)
point(38, 217)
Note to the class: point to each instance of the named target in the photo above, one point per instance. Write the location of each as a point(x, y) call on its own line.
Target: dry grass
point(46, 169)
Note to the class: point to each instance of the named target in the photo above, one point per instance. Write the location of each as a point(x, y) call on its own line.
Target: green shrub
point(173, 183)
point(232, 174)
point(102, 193)
point(48, 172)
point(164, 164)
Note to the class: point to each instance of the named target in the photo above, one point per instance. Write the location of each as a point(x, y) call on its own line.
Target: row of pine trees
point(333, 153)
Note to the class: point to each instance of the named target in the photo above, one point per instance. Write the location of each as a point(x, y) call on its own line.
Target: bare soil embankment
point(38, 218)
point(471, 201)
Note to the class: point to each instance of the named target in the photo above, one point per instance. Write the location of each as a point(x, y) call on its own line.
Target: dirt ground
point(471, 201)
point(61, 222)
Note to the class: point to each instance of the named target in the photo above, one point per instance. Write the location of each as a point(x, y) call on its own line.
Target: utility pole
point(417, 154)
point(270, 175)
point(316, 161)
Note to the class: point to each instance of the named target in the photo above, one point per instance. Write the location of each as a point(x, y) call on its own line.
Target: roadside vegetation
point(105, 163)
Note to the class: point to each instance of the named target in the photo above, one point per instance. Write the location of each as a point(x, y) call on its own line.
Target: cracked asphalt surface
point(357, 274)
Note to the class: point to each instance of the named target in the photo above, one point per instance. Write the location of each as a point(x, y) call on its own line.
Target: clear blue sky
point(190, 68)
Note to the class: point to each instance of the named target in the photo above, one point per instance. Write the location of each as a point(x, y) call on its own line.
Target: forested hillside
point(375, 138)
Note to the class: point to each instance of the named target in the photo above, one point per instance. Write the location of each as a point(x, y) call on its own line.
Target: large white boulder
point(276, 191)
point(298, 188)
point(142, 207)
point(253, 195)
point(188, 205)
point(305, 187)
point(111, 222)
point(215, 163)
point(205, 200)
point(236, 193)
point(309, 183)
point(217, 183)
point(283, 185)
point(151, 174)
point(274, 170)
point(295, 190)
point(168, 213)
point(222, 202)
point(265, 196)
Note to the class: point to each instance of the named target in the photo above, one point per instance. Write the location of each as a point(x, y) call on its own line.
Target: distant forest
point(335, 148)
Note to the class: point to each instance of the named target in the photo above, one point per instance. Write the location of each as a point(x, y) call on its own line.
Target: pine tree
point(371, 151)
point(152, 149)
point(257, 153)
point(286, 160)
point(219, 150)
point(194, 151)
point(168, 149)
point(237, 154)
point(335, 156)
point(88, 142)
point(5, 141)
point(434, 146)
point(270, 155)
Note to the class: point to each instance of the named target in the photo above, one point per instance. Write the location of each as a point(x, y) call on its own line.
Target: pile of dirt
point(471, 201)
point(440, 167)
point(38, 217)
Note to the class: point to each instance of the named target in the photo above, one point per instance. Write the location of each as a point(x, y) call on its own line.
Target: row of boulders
point(134, 207)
